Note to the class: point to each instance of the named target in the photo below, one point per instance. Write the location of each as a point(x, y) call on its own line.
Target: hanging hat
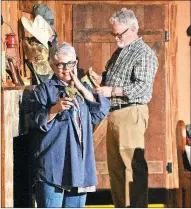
point(44, 11)
point(40, 29)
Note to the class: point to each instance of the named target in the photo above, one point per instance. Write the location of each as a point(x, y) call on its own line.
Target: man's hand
point(95, 76)
point(105, 91)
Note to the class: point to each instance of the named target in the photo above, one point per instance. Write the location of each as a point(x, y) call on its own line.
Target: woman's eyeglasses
point(119, 36)
point(69, 64)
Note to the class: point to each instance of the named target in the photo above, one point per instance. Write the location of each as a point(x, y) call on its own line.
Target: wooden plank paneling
point(9, 13)
point(96, 57)
point(140, 15)
point(59, 25)
point(2, 153)
point(88, 12)
point(106, 48)
point(10, 117)
point(11, 120)
point(157, 13)
point(104, 35)
point(68, 27)
point(88, 58)
point(171, 98)
point(26, 6)
point(77, 16)
point(80, 50)
point(97, 16)
point(110, 2)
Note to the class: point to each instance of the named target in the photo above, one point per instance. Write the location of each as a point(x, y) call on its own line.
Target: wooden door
point(95, 45)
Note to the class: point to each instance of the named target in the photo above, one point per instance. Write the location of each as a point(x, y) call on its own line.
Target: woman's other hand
point(76, 81)
point(62, 104)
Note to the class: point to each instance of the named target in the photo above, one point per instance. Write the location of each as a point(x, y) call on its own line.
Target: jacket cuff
point(94, 106)
point(42, 118)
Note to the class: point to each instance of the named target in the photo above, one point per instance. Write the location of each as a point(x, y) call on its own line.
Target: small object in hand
point(88, 78)
point(92, 79)
point(72, 91)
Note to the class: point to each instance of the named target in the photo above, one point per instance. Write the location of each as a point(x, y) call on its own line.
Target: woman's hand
point(76, 81)
point(85, 92)
point(62, 105)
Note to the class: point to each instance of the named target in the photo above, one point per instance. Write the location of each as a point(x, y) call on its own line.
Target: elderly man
point(128, 82)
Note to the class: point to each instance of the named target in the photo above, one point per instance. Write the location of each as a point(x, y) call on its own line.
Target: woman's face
point(63, 66)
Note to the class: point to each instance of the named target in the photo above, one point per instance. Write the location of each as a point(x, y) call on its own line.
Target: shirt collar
point(56, 82)
point(134, 43)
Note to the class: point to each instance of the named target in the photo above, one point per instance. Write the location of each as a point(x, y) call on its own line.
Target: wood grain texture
point(171, 97)
point(68, 27)
point(123, 2)
point(59, 25)
point(11, 122)
point(2, 152)
point(10, 116)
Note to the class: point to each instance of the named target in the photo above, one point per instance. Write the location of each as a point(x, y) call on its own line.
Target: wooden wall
point(183, 62)
point(13, 10)
point(9, 11)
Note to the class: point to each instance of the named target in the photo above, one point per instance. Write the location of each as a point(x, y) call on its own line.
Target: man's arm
point(144, 73)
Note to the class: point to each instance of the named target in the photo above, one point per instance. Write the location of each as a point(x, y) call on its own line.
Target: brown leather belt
point(117, 107)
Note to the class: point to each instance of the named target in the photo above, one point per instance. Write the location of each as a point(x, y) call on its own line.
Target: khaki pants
point(125, 154)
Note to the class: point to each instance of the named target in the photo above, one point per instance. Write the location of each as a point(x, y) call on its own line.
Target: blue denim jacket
point(58, 157)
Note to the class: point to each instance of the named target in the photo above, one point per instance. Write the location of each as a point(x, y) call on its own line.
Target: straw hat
point(40, 29)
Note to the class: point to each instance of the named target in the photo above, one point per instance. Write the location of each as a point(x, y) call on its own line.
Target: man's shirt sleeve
point(143, 75)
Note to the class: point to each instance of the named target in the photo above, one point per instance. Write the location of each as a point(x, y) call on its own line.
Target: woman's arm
point(85, 92)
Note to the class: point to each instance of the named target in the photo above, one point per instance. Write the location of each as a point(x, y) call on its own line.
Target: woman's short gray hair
point(125, 16)
point(61, 50)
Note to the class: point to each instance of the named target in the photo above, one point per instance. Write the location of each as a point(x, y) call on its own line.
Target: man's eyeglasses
point(119, 36)
point(69, 64)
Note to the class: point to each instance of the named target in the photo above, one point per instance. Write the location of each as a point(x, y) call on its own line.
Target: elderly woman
point(62, 146)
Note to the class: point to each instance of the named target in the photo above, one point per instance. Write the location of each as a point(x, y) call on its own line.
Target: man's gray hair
point(125, 16)
point(61, 50)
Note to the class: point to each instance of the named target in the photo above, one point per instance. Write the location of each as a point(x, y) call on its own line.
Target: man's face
point(122, 34)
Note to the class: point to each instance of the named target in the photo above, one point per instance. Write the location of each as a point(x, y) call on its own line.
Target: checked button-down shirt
point(132, 68)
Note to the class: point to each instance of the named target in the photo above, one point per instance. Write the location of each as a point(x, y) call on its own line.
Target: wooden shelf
point(17, 88)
